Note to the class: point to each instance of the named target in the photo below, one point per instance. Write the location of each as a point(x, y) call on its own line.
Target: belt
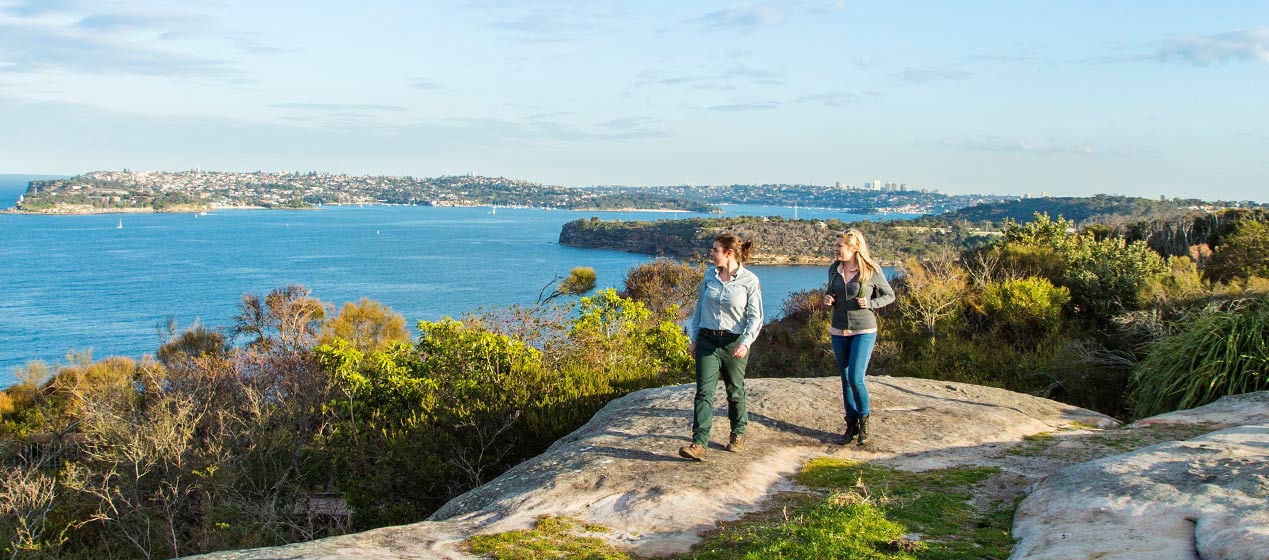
point(718, 332)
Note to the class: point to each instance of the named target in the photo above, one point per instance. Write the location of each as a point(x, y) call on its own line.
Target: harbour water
point(108, 283)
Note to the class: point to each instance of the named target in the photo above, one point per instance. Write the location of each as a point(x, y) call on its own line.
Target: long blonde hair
point(855, 240)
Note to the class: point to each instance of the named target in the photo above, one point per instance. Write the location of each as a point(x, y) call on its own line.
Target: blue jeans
point(852, 353)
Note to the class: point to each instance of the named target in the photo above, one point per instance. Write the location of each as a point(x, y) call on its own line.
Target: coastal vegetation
point(1109, 209)
point(298, 422)
point(874, 200)
point(1077, 315)
point(778, 240)
point(1168, 227)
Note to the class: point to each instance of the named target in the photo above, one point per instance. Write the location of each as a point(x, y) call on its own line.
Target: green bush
point(1241, 255)
point(664, 284)
point(1024, 308)
point(1218, 351)
point(416, 426)
point(797, 344)
point(1105, 276)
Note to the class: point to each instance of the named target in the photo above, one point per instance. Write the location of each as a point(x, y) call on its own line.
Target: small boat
point(120, 226)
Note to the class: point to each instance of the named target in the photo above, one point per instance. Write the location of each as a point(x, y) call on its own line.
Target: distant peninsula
point(156, 191)
point(777, 241)
point(781, 241)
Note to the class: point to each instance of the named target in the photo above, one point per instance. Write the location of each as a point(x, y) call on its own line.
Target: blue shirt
point(734, 306)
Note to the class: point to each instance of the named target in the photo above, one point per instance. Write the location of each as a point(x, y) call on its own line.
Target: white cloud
point(917, 76)
point(735, 107)
point(1247, 45)
point(427, 84)
point(725, 79)
point(746, 16)
point(837, 98)
point(997, 144)
point(40, 47)
point(339, 107)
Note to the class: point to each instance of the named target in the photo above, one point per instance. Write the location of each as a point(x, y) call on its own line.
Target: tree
point(1107, 277)
point(368, 325)
point(579, 281)
point(1242, 254)
point(286, 320)
point(198, 341)
point(664, 284)
point(934, 290)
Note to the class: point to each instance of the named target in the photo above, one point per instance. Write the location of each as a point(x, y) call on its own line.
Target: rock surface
point(622, 469)
point(1205, 497)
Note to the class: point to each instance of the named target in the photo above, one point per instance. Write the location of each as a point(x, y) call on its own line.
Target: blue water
point(83, 283)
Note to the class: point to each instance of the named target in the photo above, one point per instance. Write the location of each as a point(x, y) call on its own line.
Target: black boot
point(852, 430)
point(863, 430)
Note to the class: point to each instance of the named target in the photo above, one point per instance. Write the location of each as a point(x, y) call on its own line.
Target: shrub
point(1105, 276)
point(416, 426)
point(196, 342)
point(664, 284)
point(1241, 255)
point(1024, 308)
point(368, 325)
point(797, 344)
point(933, 291)
point(1218, 351)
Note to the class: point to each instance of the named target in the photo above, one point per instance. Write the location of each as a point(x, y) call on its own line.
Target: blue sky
point(1143, 98)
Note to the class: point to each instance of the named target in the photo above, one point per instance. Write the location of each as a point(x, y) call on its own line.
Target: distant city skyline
point(1140, 98)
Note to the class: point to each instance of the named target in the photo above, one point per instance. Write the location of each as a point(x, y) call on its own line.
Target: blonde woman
point(856, 286)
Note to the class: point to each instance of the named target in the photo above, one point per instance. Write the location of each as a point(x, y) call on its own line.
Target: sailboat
point(493, 209)
point(120, 226)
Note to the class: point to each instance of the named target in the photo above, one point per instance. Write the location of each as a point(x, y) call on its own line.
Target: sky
point(1070, 97)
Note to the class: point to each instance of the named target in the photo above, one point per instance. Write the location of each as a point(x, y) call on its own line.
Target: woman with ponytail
point(725, 323)
point(856, 286)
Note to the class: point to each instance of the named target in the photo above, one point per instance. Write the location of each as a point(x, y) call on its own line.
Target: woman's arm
point(753, 315)
point(694, 322)
point(882, 293)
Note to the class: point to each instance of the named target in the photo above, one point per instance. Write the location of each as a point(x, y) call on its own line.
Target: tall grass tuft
point(1216, 352)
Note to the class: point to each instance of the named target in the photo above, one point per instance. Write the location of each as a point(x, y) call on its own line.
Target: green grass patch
point(1032, 445)
point(859, 511)
point(1135, 438)
point(876, 512)
point(551, 537)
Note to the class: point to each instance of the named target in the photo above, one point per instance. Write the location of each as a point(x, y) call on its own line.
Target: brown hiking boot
point(695, 452)
point(737, 443)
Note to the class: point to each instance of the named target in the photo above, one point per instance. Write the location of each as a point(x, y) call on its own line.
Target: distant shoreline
point(102, 211)
point(82, 211)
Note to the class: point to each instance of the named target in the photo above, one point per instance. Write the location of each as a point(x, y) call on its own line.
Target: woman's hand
point(829, 299)
point(691, 349)
point(863, 302)
point(741, 351)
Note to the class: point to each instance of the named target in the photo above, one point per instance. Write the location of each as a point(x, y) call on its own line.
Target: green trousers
point(714, 359)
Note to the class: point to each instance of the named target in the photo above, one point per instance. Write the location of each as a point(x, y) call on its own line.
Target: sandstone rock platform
point(622, 468)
